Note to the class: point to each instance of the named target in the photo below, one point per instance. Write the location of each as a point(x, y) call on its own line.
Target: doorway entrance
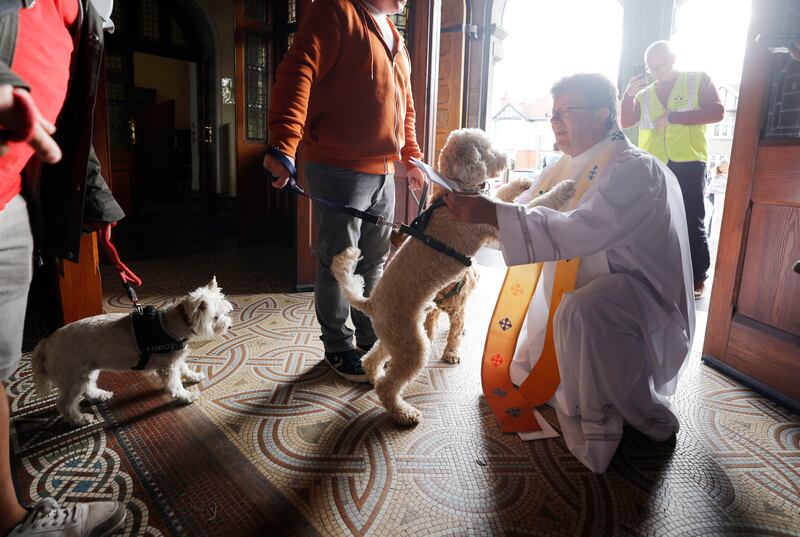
point(710, 36)
point(540, 48)
point(161, 108)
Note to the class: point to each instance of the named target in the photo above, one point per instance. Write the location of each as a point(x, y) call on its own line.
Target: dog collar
point(151, 337)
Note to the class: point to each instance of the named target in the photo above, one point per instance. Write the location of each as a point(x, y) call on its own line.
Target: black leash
point(411, 231)
point(295, 189)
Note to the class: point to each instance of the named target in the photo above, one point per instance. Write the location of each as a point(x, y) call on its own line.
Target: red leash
point(129, 279)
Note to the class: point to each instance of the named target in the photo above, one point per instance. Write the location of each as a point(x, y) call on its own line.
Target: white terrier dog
point(72, 357)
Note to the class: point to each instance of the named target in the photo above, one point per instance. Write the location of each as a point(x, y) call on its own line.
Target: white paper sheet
point(546, 432)
point(431, 173)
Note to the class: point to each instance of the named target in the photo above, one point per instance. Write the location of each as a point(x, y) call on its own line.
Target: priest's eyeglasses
point(566, 111)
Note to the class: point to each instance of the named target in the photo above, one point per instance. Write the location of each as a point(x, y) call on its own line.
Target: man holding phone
point(672, 113)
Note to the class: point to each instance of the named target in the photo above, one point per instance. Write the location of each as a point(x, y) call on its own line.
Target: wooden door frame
point(426, 33)
point(753, 94)
point(732, 340)
point(264, 213)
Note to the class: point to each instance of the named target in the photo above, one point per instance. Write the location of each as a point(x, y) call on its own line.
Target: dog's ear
point(213, 283)
point(496, 162)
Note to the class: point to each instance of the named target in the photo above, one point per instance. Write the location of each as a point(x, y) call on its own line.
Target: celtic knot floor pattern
point(279, 445)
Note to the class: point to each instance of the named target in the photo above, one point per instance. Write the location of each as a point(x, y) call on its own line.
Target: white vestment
point(623, 335)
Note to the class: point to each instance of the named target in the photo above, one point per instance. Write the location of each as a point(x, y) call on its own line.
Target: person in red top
point(40, 69)
point(344, 89)
point(672, 113)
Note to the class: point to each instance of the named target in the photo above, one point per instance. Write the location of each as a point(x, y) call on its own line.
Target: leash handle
point(125, 274)
point(292, 185)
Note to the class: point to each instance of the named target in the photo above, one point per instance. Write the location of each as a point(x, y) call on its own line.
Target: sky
point(711, 36)
point(549, 39)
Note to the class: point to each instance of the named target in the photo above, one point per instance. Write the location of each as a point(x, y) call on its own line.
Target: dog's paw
point(80, 418)
point(193, 377)
point(406, 415)
point(98, 396)
point(187, 397)
point(451, 357)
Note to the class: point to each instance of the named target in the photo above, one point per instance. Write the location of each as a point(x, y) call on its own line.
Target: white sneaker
point(91, 519)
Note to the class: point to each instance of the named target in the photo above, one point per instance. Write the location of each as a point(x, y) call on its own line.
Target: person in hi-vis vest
point(672, 113)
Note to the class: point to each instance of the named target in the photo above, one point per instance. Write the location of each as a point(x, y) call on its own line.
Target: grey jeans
point(335, 232)
point(16, 248)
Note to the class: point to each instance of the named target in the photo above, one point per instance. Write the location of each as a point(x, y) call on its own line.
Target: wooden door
point(264, 213)
point(754, 317)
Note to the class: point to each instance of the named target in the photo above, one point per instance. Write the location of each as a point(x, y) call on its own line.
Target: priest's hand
point(662, 121)
point(473, 209)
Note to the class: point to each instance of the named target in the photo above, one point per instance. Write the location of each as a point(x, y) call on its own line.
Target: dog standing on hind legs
point(401, 300)
point(452, 299)
point(72, 357)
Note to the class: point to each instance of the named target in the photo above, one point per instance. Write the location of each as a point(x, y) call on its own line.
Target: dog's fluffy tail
point(41, 380)
point(352, 285)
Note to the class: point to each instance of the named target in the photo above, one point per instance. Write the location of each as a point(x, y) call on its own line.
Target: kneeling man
point(623, 334)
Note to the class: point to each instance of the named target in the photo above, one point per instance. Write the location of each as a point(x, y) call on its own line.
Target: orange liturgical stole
point(512, 405)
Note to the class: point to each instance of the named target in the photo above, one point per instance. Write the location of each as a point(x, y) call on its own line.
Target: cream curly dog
point(452, 299)
point(401, 300)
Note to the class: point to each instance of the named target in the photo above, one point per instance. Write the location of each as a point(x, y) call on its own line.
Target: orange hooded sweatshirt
point(343, 92)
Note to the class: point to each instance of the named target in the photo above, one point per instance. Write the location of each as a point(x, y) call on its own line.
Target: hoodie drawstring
point(363, 14)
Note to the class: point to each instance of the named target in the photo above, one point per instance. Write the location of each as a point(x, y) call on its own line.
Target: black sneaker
point(347, 364)
point(363, 349)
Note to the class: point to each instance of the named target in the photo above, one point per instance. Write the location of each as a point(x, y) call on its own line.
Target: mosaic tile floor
point(279, 445)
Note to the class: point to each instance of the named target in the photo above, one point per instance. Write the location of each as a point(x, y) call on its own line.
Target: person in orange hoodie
point(344, 89)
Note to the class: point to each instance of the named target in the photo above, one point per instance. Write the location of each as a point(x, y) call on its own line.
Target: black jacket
point(63, 196)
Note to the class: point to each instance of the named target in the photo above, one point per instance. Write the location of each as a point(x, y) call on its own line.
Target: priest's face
point(577, 125)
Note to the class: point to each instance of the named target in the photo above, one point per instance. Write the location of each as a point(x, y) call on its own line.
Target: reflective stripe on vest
point(679, 143)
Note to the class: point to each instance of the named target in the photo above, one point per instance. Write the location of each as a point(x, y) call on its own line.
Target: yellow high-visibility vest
point(678, 143)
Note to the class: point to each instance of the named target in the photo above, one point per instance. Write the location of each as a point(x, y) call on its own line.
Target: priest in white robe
point(623, 334)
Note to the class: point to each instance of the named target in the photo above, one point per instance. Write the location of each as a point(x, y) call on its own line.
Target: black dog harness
point(415, 230)
point(151, 337)
point(453, 291)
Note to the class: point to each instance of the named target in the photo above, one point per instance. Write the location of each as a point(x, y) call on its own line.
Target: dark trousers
point(335, 232)
point(692, 178)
